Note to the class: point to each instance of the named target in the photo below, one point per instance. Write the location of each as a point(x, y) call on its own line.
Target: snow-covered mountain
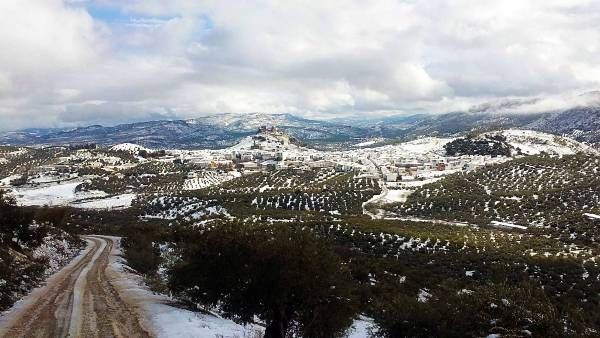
point(216, 131)
point(581, 123)
point(577, 117)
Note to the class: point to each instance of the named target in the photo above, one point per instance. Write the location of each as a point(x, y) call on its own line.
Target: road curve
point(78, 301)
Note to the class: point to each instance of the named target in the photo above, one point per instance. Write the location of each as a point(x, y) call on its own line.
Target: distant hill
point(582, 124)
point(577, 117)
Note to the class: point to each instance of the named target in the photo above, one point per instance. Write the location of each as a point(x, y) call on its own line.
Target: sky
point(78, 62)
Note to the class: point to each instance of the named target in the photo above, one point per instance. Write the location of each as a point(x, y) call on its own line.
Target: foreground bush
point(285, 276)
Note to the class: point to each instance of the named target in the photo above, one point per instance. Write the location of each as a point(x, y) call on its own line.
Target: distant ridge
point(216, 131)
point(581, 123)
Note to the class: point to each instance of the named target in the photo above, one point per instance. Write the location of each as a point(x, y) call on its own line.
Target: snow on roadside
point(168, 321)
point(164, 319)
point(58, 251)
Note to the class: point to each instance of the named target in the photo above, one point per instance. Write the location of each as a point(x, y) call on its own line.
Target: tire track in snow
point(78, 301)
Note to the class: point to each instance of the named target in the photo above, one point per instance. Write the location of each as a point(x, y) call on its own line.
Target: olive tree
point(286, 277)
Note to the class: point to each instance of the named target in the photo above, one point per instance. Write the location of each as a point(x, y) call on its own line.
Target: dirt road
point(78, 301)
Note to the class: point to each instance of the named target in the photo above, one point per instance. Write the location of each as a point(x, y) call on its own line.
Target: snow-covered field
point(52, 178)
point(530, 142)
point(64, 194)
point(129, 147)
point(6, 180)
point(53, 194)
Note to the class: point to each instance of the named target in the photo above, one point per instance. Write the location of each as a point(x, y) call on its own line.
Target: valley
point(299, 169)
point(503, 223)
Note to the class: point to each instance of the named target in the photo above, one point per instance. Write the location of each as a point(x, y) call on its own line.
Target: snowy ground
point(9, 315)
point(129, 147)
point(592, 216)
point(5, 182)
point(58, 251)
point(205, 179)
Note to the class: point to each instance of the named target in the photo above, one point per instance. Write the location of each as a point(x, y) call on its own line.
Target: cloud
point(109, 61)
point(43, 43)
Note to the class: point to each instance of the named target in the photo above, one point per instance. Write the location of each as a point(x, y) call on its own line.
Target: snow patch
point(113, 202)
point(129, 147)
point(592, 216)
point(508, 225)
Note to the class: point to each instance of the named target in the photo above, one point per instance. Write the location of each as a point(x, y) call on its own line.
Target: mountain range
point(216, 131)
